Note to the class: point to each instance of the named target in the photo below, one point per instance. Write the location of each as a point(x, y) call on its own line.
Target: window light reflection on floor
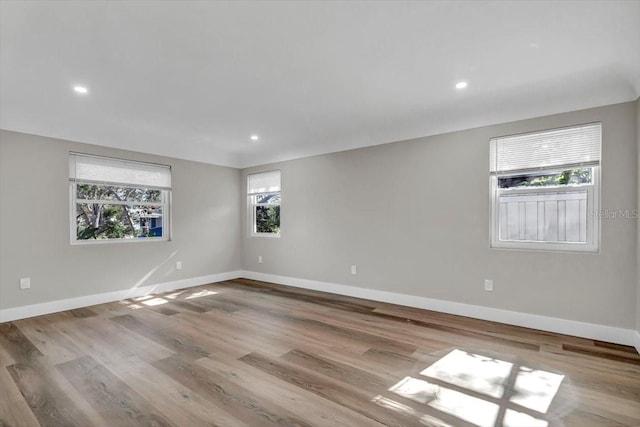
point(455, 385)
point(482, 374)
point(477, 411)
point(200, 294)
point(174, 295)
point(155, 301)
point(535, 389)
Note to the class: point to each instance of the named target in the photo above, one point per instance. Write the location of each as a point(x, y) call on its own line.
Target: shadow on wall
point(152, 272)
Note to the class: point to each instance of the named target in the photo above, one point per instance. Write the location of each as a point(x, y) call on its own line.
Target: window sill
point(267, 235)
point(545, 247)
point(119, 241)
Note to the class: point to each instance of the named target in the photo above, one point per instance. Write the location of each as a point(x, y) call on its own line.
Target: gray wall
point(638, 226)
point(34, 226)
point(414, 217)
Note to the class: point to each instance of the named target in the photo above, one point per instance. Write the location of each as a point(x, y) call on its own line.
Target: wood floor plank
point(300, 402)
point(236, 400)
point(212, 303)
point(616, 347)
point(112, 398)
point(5, 357)
point(14, 410)
point(227, 333)
point(407, 333)
point(326, 389)
point(56, 345)
point(333, 332)
point(170, 340)
point(617, 409)
point(336, 370)
point(184, 406)
point(291, 335)
point(108, 341)
point(164, 310)
point(19, 347)
point(610, 355)
point(355, 360)
point(82, 313)
point(189, 306)
point(590, 375)
point(47, 401)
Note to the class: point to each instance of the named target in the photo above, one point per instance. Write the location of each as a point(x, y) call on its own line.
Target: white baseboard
point(534, 321)
point(551, 324)
point(25, 311)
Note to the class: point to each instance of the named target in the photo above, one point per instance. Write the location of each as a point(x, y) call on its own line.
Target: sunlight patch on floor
point(474, 372)
point(417, 390)
point(200, 294)
point(155, 301)
point(535, 389)
point(174, 295)
point(515, 395)
point(477, 411)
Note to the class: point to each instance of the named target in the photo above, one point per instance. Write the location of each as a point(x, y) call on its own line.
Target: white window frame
point(592, 243)
point(165, 202)
point(252, 197)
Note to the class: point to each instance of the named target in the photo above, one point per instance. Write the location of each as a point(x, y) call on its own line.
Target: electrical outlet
point(354, 269)
point(25, 283)
point(259, 259)
point(488, 285)
point(178, 265)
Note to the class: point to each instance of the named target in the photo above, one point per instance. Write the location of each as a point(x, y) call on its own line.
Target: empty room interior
point(319, 213)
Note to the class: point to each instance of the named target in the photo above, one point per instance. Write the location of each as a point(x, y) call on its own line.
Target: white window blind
point(573, 146)
point(265, 182)
point(87, 168)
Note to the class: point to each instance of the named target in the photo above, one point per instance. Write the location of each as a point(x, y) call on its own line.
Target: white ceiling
point(194, 79)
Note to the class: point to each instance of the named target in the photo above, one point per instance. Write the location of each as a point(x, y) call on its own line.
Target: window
point(545, 189)
point(263, 190)
point(118, 200)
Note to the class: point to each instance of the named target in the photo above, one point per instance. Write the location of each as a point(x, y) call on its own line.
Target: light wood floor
point(246, 353)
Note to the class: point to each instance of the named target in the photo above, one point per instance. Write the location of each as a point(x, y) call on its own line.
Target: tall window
point(118, 200)
point(263, 190)
point(545, 190)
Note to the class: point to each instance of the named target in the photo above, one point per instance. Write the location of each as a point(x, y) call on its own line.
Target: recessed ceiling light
point(254, 137)
point(81, 89)
point(461, 85)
